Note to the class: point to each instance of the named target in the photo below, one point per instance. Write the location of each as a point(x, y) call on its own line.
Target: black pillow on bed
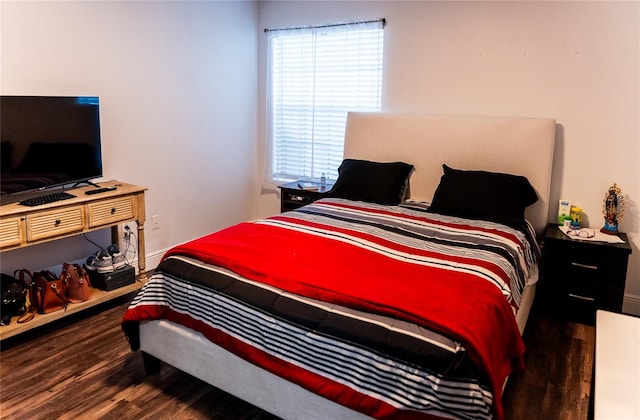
point(374, 182)
point(492, 196)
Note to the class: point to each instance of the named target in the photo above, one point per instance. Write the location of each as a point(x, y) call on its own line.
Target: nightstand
point(579, 277)
point(293, 196)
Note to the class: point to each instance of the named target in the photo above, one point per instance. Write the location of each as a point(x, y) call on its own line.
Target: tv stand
point(22, 226)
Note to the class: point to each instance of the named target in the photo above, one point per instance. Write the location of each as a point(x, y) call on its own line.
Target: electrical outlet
point(155, 222)
point(126, 236)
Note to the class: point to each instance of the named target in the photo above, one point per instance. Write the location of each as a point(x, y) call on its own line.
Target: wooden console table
point(22, 226)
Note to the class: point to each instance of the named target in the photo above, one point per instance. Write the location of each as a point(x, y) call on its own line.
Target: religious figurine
point(612, 209)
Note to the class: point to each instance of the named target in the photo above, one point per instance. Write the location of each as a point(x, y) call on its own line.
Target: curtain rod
point(383, 20)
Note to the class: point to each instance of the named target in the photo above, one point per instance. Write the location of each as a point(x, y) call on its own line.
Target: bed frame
point(522, 146)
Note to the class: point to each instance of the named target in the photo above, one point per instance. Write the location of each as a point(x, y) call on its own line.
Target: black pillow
point(374, 182)
point(492, 196)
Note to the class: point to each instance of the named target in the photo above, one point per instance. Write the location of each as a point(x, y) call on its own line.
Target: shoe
point(116, 257)
point(101, 262)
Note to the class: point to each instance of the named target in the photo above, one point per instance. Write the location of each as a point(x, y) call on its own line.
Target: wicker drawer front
point(10, 232)
point(54, 223)
point(111, 211)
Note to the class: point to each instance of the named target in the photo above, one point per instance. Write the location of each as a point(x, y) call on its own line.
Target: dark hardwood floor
point(83, 368)
point(556, 382)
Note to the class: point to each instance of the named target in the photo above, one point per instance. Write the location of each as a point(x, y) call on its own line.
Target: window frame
point(338, 116)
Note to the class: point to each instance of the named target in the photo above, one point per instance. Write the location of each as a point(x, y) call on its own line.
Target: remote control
point(100, 190)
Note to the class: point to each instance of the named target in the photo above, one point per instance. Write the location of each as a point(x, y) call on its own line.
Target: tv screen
point(48, 141)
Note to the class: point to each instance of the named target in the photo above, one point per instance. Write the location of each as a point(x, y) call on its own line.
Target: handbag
point(77, 283)
point(14, 298)
point(50, 292)
point(26, 278)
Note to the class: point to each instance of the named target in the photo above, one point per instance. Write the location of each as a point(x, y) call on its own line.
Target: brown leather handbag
point(77, 283)
point(50, 292)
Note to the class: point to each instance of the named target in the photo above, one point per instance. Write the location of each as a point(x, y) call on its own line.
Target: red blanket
point(455, 303)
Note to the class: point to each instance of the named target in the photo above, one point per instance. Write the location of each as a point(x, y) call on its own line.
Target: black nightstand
point(579, 277)
point(293, 196)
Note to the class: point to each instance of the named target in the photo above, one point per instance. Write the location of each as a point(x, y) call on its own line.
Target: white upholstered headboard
point(519, 146)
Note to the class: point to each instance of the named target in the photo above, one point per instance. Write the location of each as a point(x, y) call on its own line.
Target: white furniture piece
point(617, 370)
point(522, 146)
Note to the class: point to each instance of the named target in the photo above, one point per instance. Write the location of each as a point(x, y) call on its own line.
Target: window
point(317, 75)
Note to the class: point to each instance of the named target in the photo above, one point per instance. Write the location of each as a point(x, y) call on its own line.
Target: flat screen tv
point(48, 141)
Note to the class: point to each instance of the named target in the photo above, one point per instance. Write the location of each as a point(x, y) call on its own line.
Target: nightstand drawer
point(582, 300)
point(605, 297)
point(300, 198)
point(587, 264)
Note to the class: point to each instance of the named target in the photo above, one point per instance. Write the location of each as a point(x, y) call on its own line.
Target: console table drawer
point(10, 232)
point(54, 223)
point(111, 211)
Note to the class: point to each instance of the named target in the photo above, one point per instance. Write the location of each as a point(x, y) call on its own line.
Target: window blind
point(316, 76)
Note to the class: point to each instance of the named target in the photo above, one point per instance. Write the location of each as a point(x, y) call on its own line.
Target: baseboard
point(631, 304)
point(152, 261)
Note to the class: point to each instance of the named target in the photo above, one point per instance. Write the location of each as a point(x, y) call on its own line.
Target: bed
point(408, 302)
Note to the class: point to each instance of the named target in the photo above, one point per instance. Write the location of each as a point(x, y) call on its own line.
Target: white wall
point(577, 62)
point(177, 83)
